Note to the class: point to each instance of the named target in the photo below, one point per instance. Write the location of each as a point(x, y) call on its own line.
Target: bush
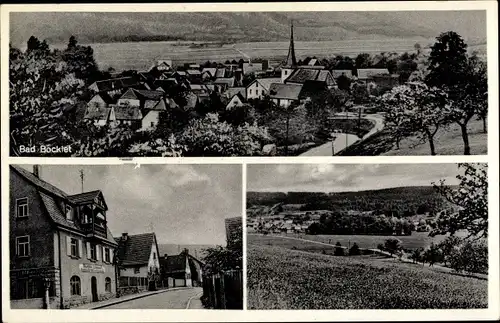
point(470, 257)
point(393, 245)
point(354, 251)
point(380, 247)
point(339, 251)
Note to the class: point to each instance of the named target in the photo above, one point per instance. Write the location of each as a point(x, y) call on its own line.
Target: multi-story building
point(61, 250)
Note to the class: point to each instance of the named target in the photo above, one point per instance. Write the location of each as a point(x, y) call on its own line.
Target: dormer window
point(69, 213)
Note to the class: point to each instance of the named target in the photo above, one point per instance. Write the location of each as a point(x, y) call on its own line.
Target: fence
point(224, 290)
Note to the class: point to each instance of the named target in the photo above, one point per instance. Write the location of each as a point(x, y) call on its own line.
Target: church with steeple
point(293, 73)
point(291, 61)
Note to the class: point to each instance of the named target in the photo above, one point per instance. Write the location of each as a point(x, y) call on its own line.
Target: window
point(69, 213)
point(256, 92)
point(286, 72)
point(107, 257)
point(154, 255)
point(74, 248)
point(22, 207)
point(107, 284)
point(23, 246)
point(137, 270)
point(93, 252)
point(75, 285)
point(250, 91)
point(152, 124)
point(24, 288)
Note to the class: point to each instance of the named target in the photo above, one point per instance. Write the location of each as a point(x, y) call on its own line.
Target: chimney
point(36, 171)
point(124, 236)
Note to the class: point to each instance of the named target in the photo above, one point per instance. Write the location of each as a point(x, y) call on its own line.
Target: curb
point(133, 298)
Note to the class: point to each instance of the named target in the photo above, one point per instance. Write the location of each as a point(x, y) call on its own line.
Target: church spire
point(291, 60)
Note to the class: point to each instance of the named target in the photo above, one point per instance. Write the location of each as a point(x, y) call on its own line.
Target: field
point(141, 55)
point(416, 240)
point(279, 278)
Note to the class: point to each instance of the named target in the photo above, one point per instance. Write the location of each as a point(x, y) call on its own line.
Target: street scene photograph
point(282, 83)
point(367, 236)
point(125, 237)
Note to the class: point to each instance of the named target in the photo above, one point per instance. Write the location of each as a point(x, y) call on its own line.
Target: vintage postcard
point(250, 162)
point(194, 84)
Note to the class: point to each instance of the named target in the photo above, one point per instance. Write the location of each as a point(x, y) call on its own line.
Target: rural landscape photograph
point(93, 237)
point(367, 236)
point(194, 84)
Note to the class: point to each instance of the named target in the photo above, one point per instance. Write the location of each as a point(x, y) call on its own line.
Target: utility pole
point(82, 176)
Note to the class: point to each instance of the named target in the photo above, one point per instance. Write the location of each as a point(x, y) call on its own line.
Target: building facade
point(61, 251)
point(138, 263)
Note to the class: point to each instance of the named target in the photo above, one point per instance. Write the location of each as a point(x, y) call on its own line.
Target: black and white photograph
point(282, 83)
point(367, 236)
point(126, 237)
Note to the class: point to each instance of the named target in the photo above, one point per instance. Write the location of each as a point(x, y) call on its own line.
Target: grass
point(447, 141)
point(279, 278)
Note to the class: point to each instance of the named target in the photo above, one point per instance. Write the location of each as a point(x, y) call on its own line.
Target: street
point(175, 299)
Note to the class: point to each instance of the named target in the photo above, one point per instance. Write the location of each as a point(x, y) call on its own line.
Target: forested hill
point(403, 200)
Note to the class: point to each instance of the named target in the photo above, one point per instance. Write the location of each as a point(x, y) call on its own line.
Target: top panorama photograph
point(201, 84)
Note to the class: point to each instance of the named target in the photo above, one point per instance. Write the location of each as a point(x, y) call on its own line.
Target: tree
point(363, 60)
point(359, 92)
point(208, 136)
point(433, 254)
point(354, 251)
point(42, 89)
point(448, 246)
point(344, 83)
point(471, 197)
point(230, 257)
point(80, 61)
point(447, 60)
point(425, 112)
point(463, 78)
point(393, 245)
point(470, 256)
point(418, 48)
point(395, 105)
point(416, 255)
point(339, 251)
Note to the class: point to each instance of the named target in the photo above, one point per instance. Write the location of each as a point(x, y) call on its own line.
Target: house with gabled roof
point(138, 262)
point(225, 82)
point(236, 101)
point(285, 94)
point(312, 73)
point(61, 249)
point(116, 86)
point(182, 270)
point(259, 88)
point(126, 115)
point(100, 115)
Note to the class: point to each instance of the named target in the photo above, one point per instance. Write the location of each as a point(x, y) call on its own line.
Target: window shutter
point(80, 247)
point(88, 251)
point(68, 246)
point(110, 255)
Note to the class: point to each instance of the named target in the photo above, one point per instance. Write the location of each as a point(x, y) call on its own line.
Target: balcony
point(95, 230)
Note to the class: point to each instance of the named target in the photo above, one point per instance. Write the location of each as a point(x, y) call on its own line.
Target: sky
point(345, 177)
point(182, 204)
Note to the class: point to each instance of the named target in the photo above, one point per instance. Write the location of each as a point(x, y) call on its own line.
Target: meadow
point(280, 278)
point(141, 55)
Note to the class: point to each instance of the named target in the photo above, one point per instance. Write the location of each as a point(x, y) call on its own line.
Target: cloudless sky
point(182, 204)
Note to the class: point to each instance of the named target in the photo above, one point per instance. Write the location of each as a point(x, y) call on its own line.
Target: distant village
point(137, 98)
point(63, 254)
point(290, 219)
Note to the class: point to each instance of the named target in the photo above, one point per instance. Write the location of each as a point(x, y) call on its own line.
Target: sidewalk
point(126, 298)
point(195, 302)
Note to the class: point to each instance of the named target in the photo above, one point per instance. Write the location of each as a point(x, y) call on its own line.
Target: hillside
point(91, 27)
point(412, 199)
point(328, 282)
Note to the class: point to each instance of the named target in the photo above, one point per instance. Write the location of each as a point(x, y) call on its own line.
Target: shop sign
point(92, 268)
